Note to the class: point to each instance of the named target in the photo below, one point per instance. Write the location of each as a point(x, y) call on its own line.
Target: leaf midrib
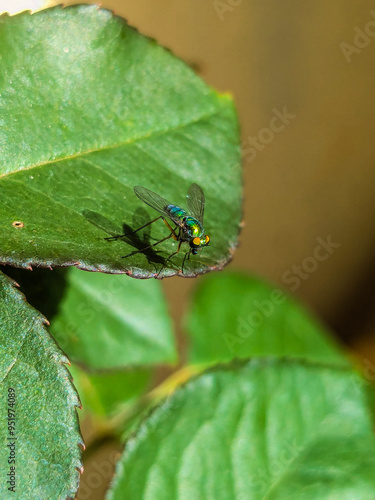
point(107, 147)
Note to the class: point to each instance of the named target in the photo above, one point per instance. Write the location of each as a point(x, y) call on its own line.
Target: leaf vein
point(133, 140)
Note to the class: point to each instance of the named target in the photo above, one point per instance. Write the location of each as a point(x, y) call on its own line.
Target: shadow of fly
point(188, 223)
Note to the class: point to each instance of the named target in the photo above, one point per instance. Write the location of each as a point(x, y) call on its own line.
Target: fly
point(188, 223)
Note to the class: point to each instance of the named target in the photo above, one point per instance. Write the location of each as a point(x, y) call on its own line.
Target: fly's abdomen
point(176, 212)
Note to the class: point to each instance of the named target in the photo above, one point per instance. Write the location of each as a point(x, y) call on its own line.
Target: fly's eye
point(207, 240)
point(196, 242)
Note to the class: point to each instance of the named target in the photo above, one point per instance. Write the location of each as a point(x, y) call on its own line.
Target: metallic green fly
point(188, 223)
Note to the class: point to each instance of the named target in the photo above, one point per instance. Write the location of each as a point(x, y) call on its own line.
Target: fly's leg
point(136, 231)
point(173, 231)
point(172, 255)
point(183, 262)
point(146, 248)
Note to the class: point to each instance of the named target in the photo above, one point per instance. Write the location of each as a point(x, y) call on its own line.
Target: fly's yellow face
point(199, 242)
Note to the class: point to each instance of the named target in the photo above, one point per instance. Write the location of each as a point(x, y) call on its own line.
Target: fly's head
point(198, 243)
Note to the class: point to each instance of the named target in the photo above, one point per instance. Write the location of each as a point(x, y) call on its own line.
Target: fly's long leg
point(183, 262)
point(172, 255)
point(150, 246)
point(175, 237)
point(136, 231)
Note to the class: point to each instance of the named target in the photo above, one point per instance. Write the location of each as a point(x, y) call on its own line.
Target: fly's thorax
point(193, 228)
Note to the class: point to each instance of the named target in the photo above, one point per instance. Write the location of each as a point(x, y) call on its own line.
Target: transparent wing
point(195, 201)
point(153, 200)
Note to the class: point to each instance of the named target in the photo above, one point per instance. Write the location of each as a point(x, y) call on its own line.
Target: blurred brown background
point(313, 179)
point(316, 177)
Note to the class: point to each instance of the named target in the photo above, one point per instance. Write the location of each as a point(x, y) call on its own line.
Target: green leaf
point(113, 321)
point(331, 468)
point(236, 316)
point(46, 424)
point(90, 108)
point(238, 430)
point(104, 394)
